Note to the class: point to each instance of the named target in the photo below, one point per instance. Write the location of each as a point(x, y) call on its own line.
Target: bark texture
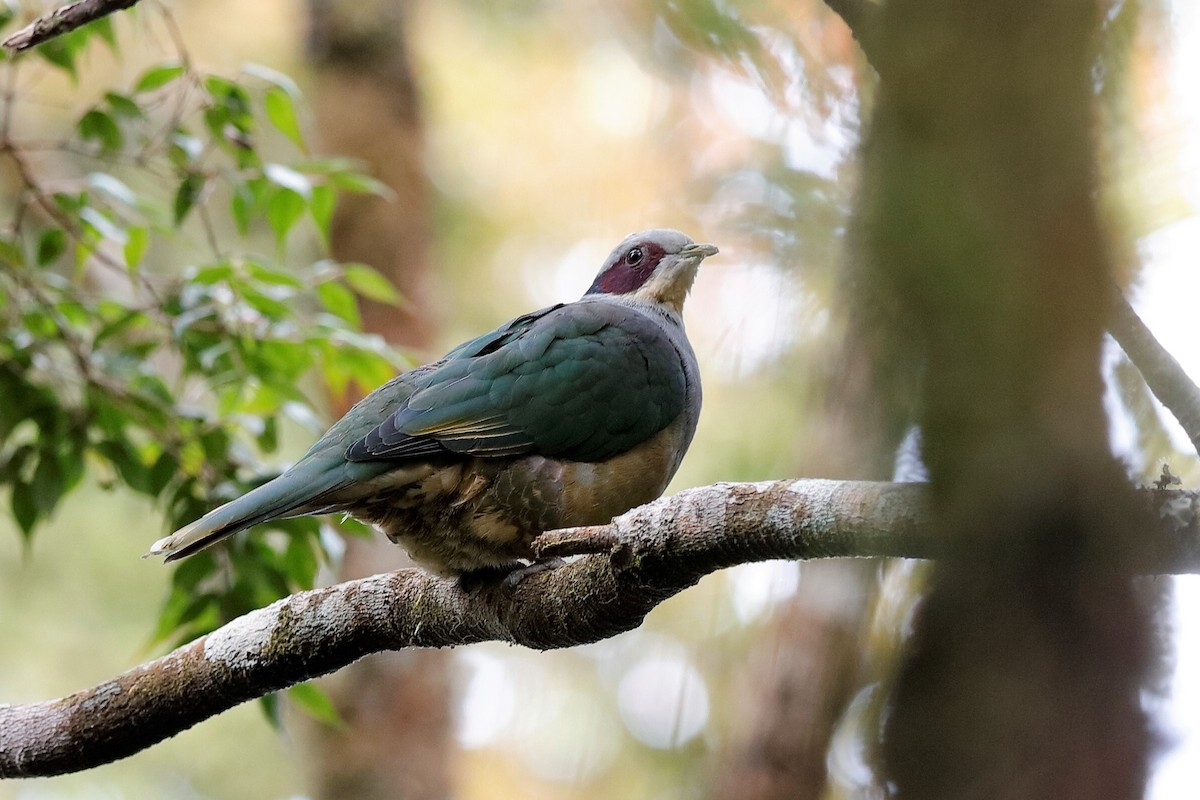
point(643, 557)
point(63, 20)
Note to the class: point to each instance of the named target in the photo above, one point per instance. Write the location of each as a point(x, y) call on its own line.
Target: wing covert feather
point(582, 382)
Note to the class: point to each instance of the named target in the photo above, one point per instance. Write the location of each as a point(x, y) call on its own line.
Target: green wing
point(582, 382)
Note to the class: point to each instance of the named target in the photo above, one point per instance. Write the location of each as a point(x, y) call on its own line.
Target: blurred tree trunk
point(796, 684)
point(804, 669)
point(367, 106)
point(987, 261)
point(398, 741)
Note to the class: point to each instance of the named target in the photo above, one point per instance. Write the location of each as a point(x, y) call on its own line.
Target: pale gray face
point(642, 256)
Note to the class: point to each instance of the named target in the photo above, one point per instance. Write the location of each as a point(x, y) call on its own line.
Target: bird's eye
point(634, 256)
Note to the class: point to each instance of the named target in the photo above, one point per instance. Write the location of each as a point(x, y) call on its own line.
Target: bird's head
point(656, 265)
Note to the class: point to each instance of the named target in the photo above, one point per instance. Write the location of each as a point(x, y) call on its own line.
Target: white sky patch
point(1185, 23)
point(486, 702)
point(1122, 430)
point(1167, 302)
point(562, 731)
point(571, 273)
point(663, 700)
point(573, 738)
point(742, 315)
point(1177, 774)
point(757, 588)
point(1167, 298)
point(615, 94)
point(745, 106)
point(807, 146)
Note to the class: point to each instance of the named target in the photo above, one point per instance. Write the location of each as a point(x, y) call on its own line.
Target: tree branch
point(653, 552)
point(63, 20)
point(1162, 373)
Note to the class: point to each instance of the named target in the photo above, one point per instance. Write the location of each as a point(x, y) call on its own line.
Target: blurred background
point(521, 140)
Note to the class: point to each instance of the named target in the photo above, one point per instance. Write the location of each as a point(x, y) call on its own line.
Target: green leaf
point(370, 284)
point(163, 471)
point(11, 469)
point(185, 149)
point(269, 703)
point(123, 105)
point(212, 274)
point(172, 613)
point(230, 109)
point(187, 195)
point(268, 438)
point(48, 482)
point(331, 165)
point(128, 464)
point(283, 209)
point(24, 509)
point(361, 184)
point(104, 27)
point(321, 205)
point(273, 277)
point(135, 246)
point(75, 314)
point(281, 111)
point(61, 53)
point(338, 300)
point(11, 252)
point(300, 561)
point(265, 304)
point(242, 205)
point(157, 77)
point(313, 700)
point(95, 220)
point(273, 77)
point(97, 126)
point(70, 203)
point(51, 245)
point(117, 319)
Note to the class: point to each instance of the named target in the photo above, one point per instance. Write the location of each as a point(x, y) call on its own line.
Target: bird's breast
point(595, 493)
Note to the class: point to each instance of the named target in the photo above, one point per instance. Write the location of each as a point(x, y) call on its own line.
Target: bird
point(566, 416)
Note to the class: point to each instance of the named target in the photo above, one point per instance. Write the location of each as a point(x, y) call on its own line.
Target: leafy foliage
point(174, 380)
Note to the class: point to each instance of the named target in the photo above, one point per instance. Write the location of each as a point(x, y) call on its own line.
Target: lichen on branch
point(656, 551)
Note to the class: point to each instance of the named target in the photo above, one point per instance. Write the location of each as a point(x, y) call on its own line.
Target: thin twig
point(63, 20)
point(1162, 373)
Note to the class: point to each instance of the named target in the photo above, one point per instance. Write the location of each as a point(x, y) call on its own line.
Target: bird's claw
point(517, 575)
point(506, 575)
point(582, 541)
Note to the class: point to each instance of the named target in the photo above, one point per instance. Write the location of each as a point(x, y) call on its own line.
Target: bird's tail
point(294, 493)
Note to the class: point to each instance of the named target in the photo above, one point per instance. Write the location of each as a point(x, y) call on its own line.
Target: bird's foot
point(587, 540)
point(520, 574)
point(508, 575)
point(482, 577)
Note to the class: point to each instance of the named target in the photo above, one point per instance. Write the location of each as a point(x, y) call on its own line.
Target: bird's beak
point(699, 251)
point(673, 280)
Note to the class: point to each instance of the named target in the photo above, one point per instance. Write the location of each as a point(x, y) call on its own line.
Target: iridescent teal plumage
point(546, 386)
point(564, 416)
